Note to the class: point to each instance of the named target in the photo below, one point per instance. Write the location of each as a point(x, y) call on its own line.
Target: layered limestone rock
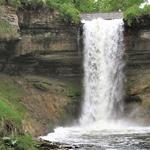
point(45, 53)
point(47, 45)
point(9, 34)
point(137, 42)
point(9, 15)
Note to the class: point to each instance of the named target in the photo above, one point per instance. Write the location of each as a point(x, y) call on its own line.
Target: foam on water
point(83, 134)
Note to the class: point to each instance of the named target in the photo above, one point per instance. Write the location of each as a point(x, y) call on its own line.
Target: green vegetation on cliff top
point(21, 142)
point(134, 12)
point(70, 9)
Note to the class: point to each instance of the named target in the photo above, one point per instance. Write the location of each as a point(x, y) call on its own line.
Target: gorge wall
point(137, 51)
point(46, 45)
point(42, 56)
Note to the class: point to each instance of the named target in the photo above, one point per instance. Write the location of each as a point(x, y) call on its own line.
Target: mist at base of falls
point(102, 124)
point(102, 136)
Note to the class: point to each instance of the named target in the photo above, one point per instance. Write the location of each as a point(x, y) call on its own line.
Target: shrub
point(115, 5)
point(52, 4)
point(135, 12)
point(10, 120)
point(146, 10)
point(85, 5)
point(70, 9)
point(69, 13)
point(24, 142)
point(129, 3)
point(7, 111)
point(15, 3)
point(36, 3)
point(131, 14)
point(2, 2)
point(33, 3)
point(11, 111)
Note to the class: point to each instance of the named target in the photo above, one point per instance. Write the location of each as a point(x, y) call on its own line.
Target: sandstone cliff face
point(137, 50)
point(47, 57)
point(9, 34)
point(46, 45)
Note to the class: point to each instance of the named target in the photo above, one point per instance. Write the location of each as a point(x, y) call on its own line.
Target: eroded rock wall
point(137, 42)
point(46, 46)
point(45, 60)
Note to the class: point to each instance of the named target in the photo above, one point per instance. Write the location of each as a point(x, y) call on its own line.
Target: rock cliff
point(42, 55)
point(137, 51)
point(46, 45)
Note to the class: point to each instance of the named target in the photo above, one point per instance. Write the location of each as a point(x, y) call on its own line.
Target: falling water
point(103, 67)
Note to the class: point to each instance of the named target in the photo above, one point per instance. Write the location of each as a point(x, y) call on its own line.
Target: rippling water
point(114, 137)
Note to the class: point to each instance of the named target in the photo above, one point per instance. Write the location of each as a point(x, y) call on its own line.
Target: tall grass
point(12, 115)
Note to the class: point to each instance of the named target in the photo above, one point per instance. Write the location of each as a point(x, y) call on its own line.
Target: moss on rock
point(7, 31)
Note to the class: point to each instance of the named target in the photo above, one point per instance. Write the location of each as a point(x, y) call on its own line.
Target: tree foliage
point(134, 12)
point(70, 9)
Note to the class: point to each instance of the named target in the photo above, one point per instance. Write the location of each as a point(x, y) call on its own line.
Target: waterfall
point(103, 68)
point(99, 125)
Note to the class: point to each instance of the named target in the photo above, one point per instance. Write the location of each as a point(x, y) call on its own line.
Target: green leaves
point(69, 13)
point(132, 13)
point(85, 5)
point(70, 9)
point(115, 5)
point(24, 142)
point(15, 3)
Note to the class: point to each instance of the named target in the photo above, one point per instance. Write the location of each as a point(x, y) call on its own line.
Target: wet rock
point(45, 145)
point(133, 99)
point(9, 15)
point(137, 70)
point(140, 23)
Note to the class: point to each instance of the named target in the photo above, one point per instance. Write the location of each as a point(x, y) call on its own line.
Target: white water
point(99, 124)
point(103, 67)
point(146, 2)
